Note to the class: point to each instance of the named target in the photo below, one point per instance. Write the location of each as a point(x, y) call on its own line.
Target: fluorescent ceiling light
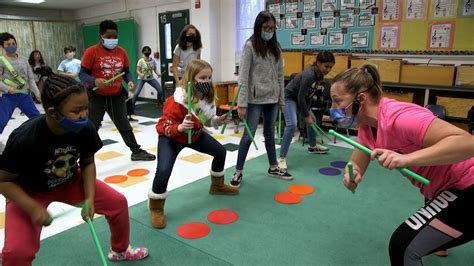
point(30, 1)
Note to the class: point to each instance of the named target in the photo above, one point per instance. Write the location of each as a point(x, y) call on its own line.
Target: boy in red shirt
point(101, 62)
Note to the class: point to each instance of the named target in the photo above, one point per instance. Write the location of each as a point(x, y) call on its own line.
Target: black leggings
point(168, 151)
point(444, 222)
point(116, 108)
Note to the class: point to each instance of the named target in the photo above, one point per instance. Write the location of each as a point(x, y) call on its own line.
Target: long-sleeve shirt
point(261, 78)
point(174, 112)
point(23, 68)
point(99, 62)
point(302, 88)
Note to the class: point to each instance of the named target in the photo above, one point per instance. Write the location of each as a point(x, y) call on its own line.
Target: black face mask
point(147, 53)
point(190, 38)
point(204, 88)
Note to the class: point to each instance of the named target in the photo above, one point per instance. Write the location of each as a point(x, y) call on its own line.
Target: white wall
point(22, 13)
point(215, 19)
point(227, 40)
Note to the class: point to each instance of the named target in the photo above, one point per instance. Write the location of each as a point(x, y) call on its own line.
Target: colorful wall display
point(374, 25)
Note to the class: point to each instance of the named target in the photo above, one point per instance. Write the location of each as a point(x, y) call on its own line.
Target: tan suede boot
point(157, 204)
point(218, 187)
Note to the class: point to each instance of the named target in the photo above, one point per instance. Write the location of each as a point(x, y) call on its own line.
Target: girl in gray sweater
point(262, 91)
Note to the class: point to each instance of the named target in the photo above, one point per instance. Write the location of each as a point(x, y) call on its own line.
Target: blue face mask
point(11, 49)
point(266, 36)
point(110, 43)
point(343, 120)
point(74, 126)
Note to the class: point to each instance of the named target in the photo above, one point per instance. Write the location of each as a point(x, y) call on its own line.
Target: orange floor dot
point(288, 198)
point(115, 179)
point(193, 230)
point(223, 216)
point(138, 172)
point(301, 189)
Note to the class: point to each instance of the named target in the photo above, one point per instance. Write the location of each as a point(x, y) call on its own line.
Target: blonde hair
point(359, 79)
point(193, 68)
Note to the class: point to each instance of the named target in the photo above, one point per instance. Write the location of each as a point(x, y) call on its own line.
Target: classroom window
point(247, 11)
point(169, 48)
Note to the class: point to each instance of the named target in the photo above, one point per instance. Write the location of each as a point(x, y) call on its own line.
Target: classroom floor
point(331, 226)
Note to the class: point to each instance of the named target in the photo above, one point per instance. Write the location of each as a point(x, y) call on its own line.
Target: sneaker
point(132, 253)
point(131, 119)
point(318, 149)
point(280, 173)
point(282, 163)
point(142, 155)
point(236, 179)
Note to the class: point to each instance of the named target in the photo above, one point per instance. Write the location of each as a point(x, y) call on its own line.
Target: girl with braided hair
point(59, 147)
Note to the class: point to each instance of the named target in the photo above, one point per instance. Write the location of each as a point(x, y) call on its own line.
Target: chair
point(226, 107)
point(438, 110)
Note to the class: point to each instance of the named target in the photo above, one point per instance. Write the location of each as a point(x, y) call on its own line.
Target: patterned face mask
point(203, 87)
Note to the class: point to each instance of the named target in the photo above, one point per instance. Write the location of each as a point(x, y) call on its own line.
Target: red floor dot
point(115, 179)
point(288, 198)
point(223, 216)
point(193, 230)
point(138, 172)
point(301, 189)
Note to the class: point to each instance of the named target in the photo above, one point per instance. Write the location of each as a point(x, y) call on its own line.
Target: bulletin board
point(324, 25)
point(422, 33)
point(399, 25)
point(127, 35)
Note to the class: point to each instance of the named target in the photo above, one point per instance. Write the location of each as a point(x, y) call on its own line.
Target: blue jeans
point(8, 103)
point(169, 149)
point(154, 83)
point(253, 115)
point(291, 121)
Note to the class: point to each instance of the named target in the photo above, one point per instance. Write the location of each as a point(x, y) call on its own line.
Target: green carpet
point(329, 227)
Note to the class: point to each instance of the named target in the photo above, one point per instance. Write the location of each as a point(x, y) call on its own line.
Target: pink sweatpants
point(22, 236)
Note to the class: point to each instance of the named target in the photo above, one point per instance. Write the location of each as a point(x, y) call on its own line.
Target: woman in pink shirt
point(408, 135)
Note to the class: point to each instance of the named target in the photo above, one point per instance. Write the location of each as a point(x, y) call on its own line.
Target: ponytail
point(365, 78)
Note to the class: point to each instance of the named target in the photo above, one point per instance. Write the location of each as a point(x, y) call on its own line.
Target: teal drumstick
point(369, 151)
point(21, 91)
point(315, 129)
point(110, 80)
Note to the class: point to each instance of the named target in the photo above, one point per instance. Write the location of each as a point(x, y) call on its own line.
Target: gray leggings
point(444, 222)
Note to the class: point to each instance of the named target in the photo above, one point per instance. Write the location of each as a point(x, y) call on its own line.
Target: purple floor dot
point(339, 164)
point(330, 171)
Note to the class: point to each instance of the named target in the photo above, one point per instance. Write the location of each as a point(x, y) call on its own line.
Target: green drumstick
point(97, 243)
point(279, 126)
point(231, 108)
point(110, 80)
point(369, 151)
point(190, 133)
point(351, 173)
point(250, 133)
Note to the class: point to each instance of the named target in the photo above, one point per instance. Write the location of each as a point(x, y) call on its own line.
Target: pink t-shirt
point(402, 128)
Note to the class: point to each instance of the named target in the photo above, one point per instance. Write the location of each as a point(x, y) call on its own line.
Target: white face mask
point(70, 55)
